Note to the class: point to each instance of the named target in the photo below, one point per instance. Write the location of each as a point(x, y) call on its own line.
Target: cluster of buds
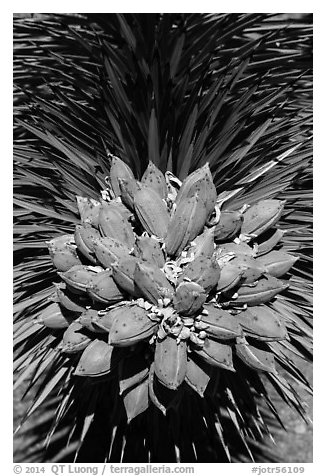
point(162, 284)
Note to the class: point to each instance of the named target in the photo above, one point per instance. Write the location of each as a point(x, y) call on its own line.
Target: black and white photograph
point(162, 241)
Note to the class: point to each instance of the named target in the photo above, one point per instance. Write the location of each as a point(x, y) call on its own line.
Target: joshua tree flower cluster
point(164, 284)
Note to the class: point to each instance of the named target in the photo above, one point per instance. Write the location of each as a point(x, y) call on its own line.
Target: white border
point(319, 210)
